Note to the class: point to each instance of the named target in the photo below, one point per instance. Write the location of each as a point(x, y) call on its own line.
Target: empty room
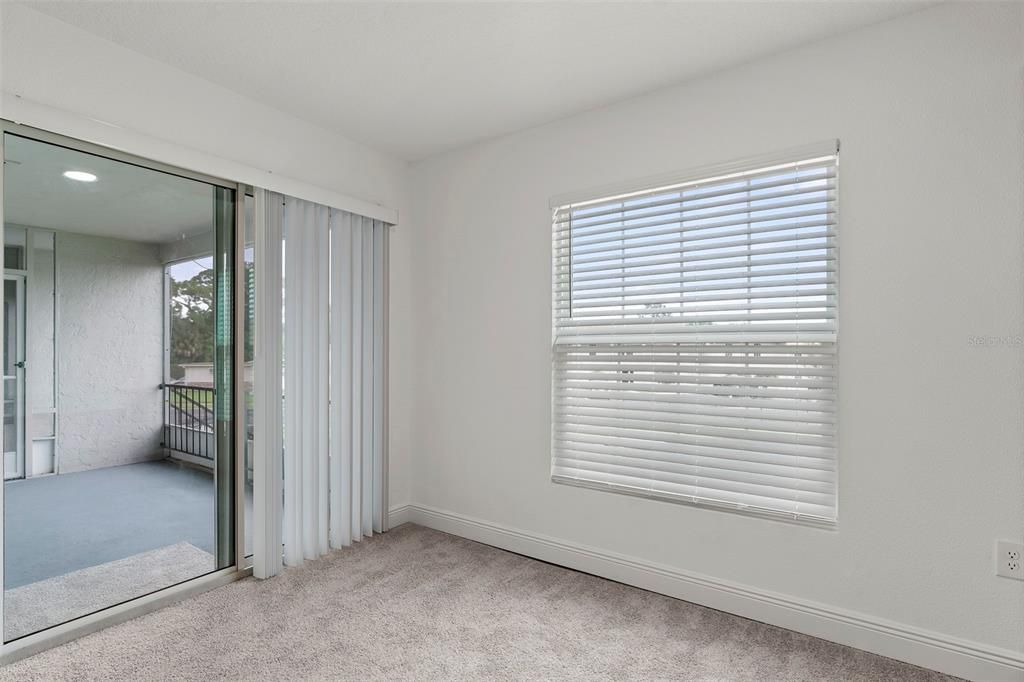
point(537, 340)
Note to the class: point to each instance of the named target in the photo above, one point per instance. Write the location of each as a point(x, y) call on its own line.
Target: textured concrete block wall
point(39, 332)
point(110, 352)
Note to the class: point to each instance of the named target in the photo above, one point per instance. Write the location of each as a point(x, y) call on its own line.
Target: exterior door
point(14, 376)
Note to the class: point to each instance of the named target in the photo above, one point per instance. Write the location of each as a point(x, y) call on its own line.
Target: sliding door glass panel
point(118, 418)
point(248, 290)
point(224, 364)
point(14, 377)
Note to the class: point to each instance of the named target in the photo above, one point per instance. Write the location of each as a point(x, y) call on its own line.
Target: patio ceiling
point(125, 201)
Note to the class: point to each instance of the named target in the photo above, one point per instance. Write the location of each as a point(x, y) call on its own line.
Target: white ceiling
point(414, 79)
point(127, 202)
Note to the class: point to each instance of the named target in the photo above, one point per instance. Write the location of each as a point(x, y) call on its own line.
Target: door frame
point(20, 278)
point(64, 632)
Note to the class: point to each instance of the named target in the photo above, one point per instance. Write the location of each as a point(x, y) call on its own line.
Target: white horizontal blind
point(694, 340)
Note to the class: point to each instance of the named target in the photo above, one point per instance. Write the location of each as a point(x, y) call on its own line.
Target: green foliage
point(192, 321)
point(192, 318)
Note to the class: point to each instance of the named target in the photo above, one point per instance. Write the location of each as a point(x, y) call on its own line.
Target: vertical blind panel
point(694, 341)
point(291, 521)
point(267, 386)
point(379, 260)
point(356, 436)
point(306, 386)
point(293, 425)
point(320, 506)
point(341, 379)
point(366, 515)
point(323, 317)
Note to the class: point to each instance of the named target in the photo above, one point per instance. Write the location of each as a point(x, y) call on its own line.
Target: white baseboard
point(399, 515)
point(927, 649)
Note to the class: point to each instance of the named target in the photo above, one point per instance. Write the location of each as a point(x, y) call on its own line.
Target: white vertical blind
point(268, 444)
point(694, 330)
point(333, 391)
point(366, 513)
point(379, 374)
point(322, 509)
point(357, 383)
point(341, 379)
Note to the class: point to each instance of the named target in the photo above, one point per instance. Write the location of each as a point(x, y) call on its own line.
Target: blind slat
point(616, 234)
point(694, 290)
point(763, 477)
point(744, 240)
point(799, 509)
point(664, 419)
point(820, 266)
point(801, 405)
point(644, 211)
point(793, 294)
point(754, 181)
point(750, 253)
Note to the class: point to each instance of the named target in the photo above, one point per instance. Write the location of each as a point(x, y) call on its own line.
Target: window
point(694, 328)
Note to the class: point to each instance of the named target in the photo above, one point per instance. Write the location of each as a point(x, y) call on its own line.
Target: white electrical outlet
point(1010, 559)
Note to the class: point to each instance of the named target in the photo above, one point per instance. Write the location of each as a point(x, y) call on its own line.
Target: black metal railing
point(188, 419)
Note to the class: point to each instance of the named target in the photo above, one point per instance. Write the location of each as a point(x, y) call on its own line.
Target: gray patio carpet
point(58, 524)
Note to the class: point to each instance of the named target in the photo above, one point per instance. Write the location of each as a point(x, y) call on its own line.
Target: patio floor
point(55, 525)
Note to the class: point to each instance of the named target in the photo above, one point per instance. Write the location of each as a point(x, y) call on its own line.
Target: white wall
point(195, 123)
point(110, 307)
point(930, 114)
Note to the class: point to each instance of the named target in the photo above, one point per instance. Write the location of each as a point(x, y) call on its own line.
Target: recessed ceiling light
point(81, 176)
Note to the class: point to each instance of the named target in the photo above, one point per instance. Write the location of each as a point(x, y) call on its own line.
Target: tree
point(192, 320)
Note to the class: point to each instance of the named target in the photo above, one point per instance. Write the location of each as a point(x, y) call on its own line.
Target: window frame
point(677, 182)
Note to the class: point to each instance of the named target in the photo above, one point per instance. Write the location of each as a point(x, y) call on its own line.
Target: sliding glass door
point(119, 332)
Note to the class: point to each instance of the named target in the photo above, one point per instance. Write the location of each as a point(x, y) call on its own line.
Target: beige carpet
point(42, 604)
point(416, 604)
